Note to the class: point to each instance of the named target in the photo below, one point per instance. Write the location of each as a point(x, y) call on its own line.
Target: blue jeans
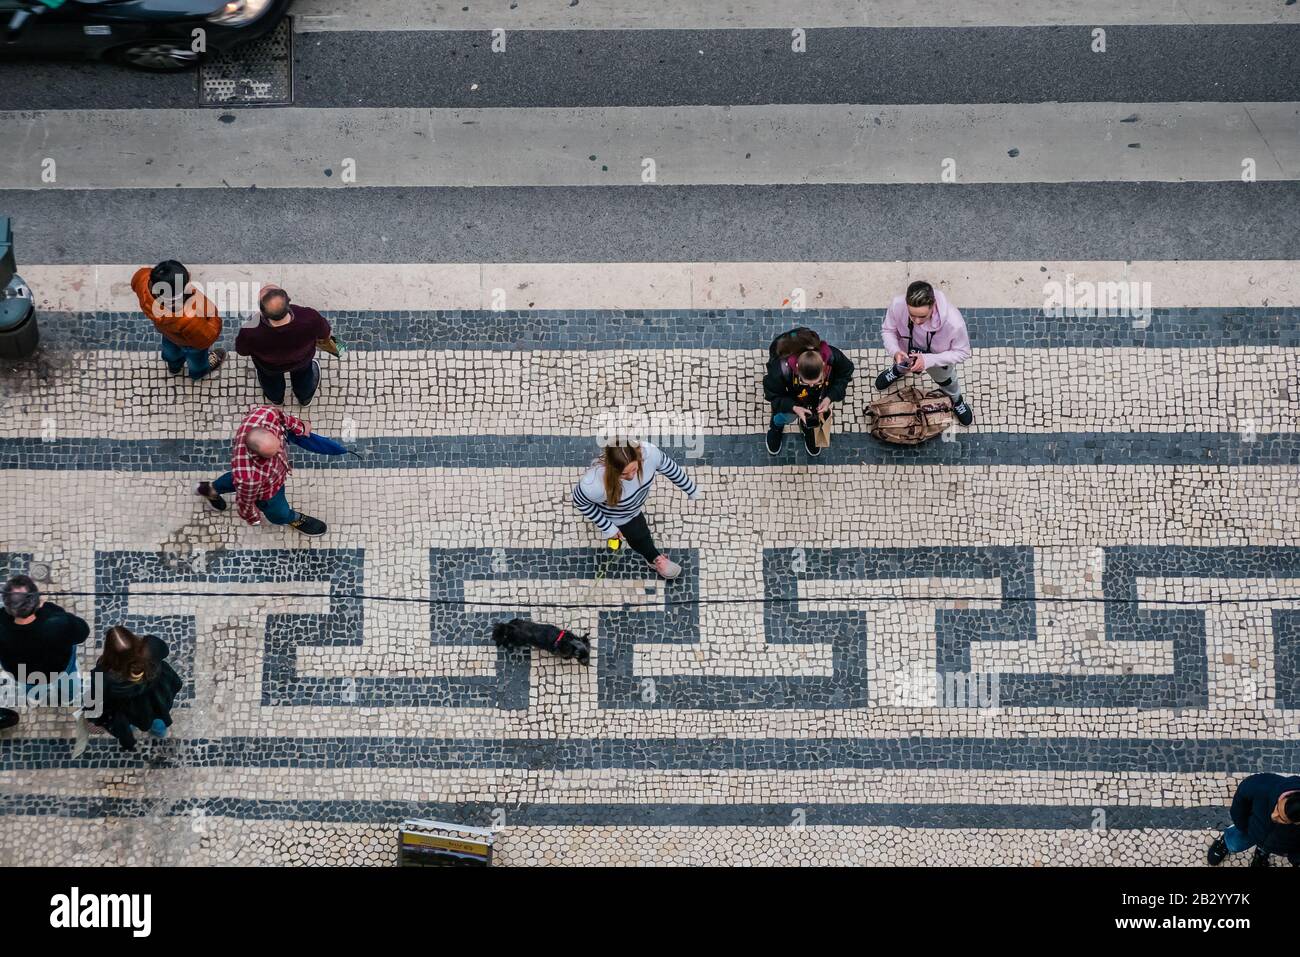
point(157, 729)
point(180, 356)
point(276, 508)
point(781, 419)
point(70, 681)
point(1236, 840)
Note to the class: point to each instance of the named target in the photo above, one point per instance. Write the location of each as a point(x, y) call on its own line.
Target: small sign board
point(439, 844)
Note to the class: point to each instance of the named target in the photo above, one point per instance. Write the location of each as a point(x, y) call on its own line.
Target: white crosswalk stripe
point(691, 145)
point(485, 15)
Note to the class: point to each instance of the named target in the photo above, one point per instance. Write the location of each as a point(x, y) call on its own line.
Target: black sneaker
point(888, 378)
point(965, 414)
point(1260, 859)
point(308, 525)
point(215, 500)
point(775, 436)
point(810, 442)
point(1217, 852)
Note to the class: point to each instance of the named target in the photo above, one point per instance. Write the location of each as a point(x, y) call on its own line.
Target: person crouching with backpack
point(924, 332)
point(804, 376)
point(614, 490)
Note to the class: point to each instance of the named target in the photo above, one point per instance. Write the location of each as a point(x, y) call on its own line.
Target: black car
point(153, 34)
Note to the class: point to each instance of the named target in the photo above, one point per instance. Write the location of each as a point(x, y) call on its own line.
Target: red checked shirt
point(258, 479)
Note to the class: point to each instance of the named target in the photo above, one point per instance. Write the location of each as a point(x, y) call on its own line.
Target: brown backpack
point(908, 416)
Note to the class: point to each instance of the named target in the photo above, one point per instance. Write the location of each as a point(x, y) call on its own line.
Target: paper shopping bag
point(822, 434)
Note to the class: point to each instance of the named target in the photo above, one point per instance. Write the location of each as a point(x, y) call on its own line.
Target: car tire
point(158, 56)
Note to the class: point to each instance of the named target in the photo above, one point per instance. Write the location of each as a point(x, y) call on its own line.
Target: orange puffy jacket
point(197, 326)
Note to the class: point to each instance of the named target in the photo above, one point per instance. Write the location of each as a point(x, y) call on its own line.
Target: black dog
point(520, 633)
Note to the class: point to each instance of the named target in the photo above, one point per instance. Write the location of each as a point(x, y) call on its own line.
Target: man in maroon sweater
point(282, 338)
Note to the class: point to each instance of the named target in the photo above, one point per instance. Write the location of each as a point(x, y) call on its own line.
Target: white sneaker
point(666, 567)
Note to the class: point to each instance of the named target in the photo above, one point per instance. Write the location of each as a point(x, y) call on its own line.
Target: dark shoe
point(775, 436)
point(810, 442)
point(1260, 859)
point(1217, 852)
point(965, 414)
point(178, 370)
point(215, 500)
point(308, 525)
point(888, 378)
point(215, 358)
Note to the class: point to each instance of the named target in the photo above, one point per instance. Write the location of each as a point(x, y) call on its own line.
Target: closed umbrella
point(321, 444)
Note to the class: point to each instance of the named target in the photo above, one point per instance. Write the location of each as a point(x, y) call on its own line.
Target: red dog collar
point(560, 638)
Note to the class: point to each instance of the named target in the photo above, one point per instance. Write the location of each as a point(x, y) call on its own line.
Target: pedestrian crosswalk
point(602, 226)
point(344, 148)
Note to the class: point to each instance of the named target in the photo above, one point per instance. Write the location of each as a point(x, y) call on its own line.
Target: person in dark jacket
point(804, 376)
point(281, 338)
point(38, 646)
point(139, 685)
point(1266, 816)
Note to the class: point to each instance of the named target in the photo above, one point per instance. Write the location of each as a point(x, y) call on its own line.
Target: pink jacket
point(943, 340)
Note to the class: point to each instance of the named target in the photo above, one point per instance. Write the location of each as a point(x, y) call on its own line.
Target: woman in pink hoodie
point(924, 332)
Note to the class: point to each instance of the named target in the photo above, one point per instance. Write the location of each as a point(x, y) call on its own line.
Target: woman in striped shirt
point(614, 490)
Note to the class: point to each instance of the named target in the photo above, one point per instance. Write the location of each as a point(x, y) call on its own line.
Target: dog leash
point(613, 544)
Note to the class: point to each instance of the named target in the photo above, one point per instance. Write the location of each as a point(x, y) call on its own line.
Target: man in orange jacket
point(186, 320)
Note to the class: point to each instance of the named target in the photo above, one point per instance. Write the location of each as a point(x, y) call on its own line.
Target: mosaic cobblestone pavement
point(1106, 562)
point(310, 725)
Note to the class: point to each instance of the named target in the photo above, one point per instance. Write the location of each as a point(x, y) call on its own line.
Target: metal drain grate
point(252, 74)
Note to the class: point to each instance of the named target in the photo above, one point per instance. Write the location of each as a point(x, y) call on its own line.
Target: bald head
point(262, 442)
point(274, 302)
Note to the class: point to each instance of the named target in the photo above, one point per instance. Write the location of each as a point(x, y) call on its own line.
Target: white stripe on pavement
point(229, 841)
point(486, 15)
point(1018, 284)
point(924, 786)
point(740, 145)
point(563, 392)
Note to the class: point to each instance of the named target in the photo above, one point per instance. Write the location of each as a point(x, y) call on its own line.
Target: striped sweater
point(589, 494)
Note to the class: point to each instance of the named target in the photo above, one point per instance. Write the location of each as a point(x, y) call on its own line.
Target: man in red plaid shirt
point(259, 466)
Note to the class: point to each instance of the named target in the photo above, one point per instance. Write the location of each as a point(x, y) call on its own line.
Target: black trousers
point(305, 379)
point(637, 533)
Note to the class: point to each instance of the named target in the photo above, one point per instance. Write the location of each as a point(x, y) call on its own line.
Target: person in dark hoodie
point(38, 646)
point(1266, 816)
point(804, 376)
point(139, 686)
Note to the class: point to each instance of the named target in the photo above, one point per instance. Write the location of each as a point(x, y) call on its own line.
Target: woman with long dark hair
point(613, 492)
point(139, 685)
point(804, 376)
